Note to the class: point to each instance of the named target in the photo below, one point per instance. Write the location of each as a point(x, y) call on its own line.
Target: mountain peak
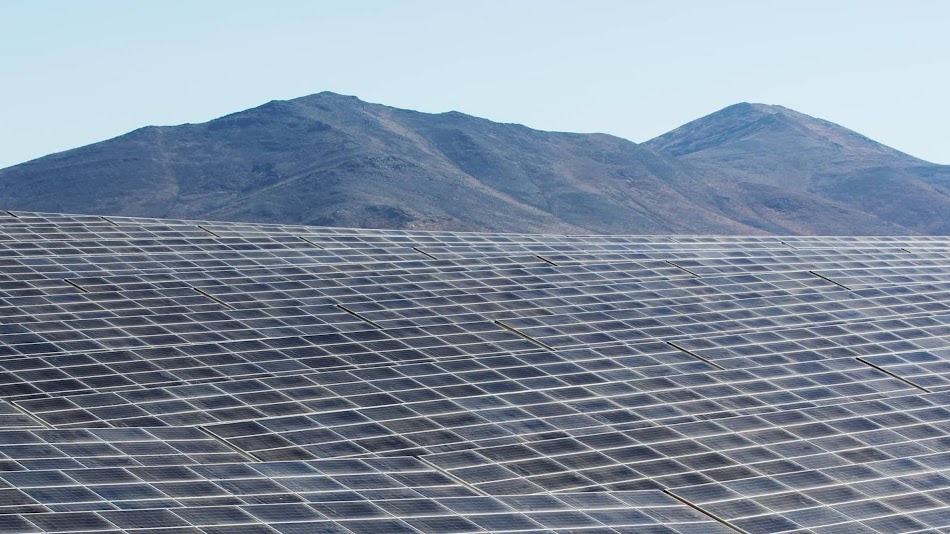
point(327, 100)
point(326, 95)
point(749, 107)
point(751, 112)
point(767, 128)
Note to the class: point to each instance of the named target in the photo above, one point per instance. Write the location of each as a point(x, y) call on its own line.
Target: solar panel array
point(181, 376)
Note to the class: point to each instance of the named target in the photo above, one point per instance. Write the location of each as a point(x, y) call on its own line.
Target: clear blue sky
point(75, 72)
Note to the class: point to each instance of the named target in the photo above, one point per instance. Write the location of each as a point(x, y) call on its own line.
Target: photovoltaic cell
point(188, 376)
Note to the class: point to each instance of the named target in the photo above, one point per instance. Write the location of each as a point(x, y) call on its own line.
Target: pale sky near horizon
point(76, 72)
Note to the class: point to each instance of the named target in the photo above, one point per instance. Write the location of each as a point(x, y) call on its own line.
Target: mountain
point(334, 160)
point(762, 149)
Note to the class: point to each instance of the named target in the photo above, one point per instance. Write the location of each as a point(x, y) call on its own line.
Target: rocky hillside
point(779, 154)
point(328, 159)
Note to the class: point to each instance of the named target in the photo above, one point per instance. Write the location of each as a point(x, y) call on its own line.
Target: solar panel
point(196, 376)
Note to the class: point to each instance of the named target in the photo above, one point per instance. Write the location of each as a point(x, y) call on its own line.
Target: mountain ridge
point(335, 160)
point(778, 147)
